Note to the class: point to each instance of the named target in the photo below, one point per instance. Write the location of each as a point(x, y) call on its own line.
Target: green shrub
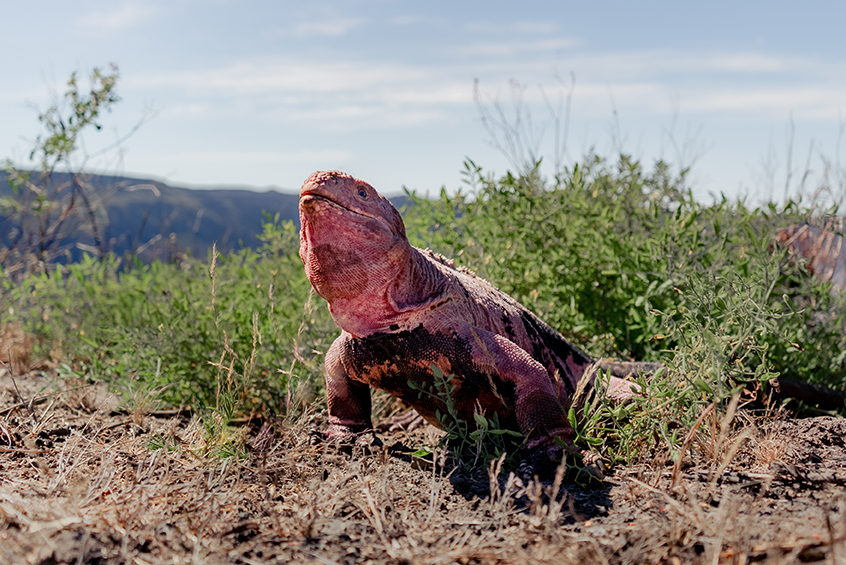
point(612, 257)
point(627, 264)
point(176, 327)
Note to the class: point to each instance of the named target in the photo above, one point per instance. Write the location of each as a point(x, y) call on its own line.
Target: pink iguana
point(403, 309)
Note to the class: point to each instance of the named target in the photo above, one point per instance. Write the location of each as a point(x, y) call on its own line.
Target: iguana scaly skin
point(403, 310)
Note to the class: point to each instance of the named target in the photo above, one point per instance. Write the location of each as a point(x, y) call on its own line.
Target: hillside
point(160, 219)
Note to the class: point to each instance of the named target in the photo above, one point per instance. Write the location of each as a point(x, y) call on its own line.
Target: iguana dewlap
point(403, 309)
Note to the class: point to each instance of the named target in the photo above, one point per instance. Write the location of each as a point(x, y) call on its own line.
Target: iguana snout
point(350, 196)
point(353, 246)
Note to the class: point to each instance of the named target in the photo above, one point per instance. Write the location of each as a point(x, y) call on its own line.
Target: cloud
point(290, 75)
point(806, 101)
point(756, 62)
point(334, 27)
point(113, 19)
point(450, 92)
point(504, 48)
point(293, 81)
point(358, 116)
point(536, 27)
point(640, 64)
point(417, 19)
point(332, 95)
point(451, 83)
point(254, 157)
point(654, 97)
point(189, 109)
point(530, 27)
point(341, 95)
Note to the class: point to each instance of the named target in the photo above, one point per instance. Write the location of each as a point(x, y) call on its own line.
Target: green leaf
point(703, 386)
point(571, 416)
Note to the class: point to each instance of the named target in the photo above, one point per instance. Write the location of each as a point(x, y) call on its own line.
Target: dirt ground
point(83, 481)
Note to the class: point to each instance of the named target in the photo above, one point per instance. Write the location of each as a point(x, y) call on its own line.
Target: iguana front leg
point(349, 400)
point(539, 413)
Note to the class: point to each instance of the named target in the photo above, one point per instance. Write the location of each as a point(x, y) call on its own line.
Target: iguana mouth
point(308, 197)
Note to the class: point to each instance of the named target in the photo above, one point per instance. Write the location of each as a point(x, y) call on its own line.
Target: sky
point(263, 93)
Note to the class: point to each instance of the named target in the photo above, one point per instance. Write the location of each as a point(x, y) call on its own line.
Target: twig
point(37, 399)
point(5, 449)
point(320, 558)
point(27, 404)
point(672, 501)
point(686, 444)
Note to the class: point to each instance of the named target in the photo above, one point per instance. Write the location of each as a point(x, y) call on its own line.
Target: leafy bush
point(627, 264)
point(195, 329)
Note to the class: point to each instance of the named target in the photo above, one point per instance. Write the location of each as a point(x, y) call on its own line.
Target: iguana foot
point(543, 461)
point(621, 390)
point(540, 461)
point(591, 464)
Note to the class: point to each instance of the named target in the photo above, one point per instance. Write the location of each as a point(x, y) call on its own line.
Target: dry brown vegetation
point(86, 482)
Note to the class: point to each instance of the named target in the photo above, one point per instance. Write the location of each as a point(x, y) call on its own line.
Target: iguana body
point(403, 310)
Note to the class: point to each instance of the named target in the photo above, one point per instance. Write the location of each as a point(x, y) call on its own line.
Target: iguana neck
point(417, 285)
point(407, 285)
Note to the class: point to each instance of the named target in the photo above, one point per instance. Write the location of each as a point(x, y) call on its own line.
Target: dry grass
point(83, 485)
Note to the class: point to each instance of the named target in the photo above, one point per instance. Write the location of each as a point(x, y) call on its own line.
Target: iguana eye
point(362, 193)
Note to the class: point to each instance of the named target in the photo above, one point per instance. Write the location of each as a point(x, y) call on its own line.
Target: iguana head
point(352, 240)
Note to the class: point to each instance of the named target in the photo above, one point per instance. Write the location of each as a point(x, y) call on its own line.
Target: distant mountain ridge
point(152, 213)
